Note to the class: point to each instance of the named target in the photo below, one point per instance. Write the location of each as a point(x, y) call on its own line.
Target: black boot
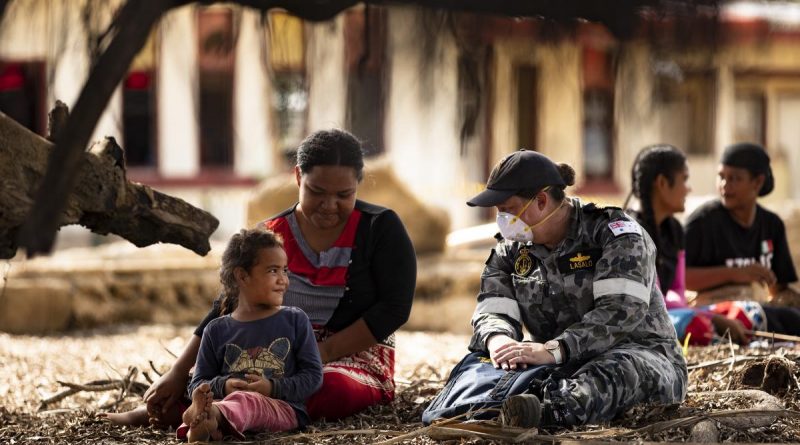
point(523, 410)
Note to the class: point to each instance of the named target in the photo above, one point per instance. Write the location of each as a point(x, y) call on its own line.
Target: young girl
point(261, 359)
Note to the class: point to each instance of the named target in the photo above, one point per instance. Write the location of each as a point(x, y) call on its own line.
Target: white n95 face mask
point(513, 228)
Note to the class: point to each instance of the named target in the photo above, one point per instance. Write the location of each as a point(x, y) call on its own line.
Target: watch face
point(552, 344)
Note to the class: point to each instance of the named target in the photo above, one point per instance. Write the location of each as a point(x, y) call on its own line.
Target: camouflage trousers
point(611, 383)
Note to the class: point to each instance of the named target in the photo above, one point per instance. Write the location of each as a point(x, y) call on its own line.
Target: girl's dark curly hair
point(242, 251)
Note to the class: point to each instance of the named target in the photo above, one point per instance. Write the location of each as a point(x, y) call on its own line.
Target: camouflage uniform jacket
point(597, 289)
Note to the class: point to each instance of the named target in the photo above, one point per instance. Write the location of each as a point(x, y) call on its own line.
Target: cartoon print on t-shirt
point(268, 362)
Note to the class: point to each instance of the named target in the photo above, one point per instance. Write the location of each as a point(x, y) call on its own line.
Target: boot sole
point(523, 411)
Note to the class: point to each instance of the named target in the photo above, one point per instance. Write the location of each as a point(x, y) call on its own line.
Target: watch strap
point(556, 352)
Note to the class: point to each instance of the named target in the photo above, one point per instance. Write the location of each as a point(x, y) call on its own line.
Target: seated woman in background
point(659, 180)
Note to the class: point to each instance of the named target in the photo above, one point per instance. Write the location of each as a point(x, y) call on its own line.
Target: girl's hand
point(523, 354)
point(232, 385)
point(259, 384)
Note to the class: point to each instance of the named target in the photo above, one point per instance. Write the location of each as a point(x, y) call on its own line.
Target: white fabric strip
point(612, 286)
point(498, 305)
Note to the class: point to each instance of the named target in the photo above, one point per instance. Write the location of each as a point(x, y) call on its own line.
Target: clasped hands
point(508, 353)
point(251, 382)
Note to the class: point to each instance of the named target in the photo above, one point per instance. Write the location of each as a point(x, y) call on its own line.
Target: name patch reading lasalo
point(584, 260)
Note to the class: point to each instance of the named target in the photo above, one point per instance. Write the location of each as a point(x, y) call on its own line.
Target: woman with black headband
point(733, 240)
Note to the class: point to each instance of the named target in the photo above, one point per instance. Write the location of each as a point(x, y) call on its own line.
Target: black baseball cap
point(521, 170)
point(752, 157)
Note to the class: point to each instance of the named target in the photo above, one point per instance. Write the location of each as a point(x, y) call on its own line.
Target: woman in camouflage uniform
point(582, 280)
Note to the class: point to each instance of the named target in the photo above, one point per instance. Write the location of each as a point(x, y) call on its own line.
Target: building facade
point(220, 95)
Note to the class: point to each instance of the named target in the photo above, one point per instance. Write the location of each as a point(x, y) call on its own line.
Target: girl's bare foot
point(135, 417)
point(202, 416)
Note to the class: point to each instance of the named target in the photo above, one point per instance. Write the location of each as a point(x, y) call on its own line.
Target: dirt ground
point(31, 369)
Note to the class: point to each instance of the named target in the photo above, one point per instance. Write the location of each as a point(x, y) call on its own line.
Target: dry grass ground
point(31, 368)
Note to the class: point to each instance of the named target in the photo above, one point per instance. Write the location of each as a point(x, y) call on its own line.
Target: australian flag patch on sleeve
point(622, 227)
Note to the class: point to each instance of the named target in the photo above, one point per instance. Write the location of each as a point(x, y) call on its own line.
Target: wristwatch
point(554, 347)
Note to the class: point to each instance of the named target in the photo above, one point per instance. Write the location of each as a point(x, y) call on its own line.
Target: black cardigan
point(380, 280)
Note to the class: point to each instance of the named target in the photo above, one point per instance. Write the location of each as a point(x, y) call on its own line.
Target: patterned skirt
point(355, 382)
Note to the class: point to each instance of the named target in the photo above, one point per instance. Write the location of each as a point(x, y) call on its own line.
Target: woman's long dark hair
point(652, 161)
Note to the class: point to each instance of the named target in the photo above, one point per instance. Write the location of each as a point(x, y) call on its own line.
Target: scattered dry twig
point(320, 434)
point(126, 385)
point(168, 351)
point(725, 361)
point(153, 367)
point(733, 359)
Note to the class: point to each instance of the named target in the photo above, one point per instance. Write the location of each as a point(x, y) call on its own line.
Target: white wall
point(53, 32)
point(559, 97)
point(637, 122)
point(178, 148)
point(326, 75)
point(421, 131)
point(253, 147)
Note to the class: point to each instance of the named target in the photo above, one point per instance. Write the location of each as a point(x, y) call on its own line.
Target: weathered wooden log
point(103, 199)
point(131, 27)
point(754, 399)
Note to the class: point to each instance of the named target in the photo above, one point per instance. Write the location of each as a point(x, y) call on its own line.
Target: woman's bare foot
point(202, 416)
point(135, 417)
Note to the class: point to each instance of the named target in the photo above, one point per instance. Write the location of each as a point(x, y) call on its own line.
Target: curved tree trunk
point(103, 200)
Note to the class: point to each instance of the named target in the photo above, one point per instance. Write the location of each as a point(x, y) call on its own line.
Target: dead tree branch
point(104, 200)
point(66, 159)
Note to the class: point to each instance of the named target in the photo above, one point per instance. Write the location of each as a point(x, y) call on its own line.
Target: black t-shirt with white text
point(714, 238)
